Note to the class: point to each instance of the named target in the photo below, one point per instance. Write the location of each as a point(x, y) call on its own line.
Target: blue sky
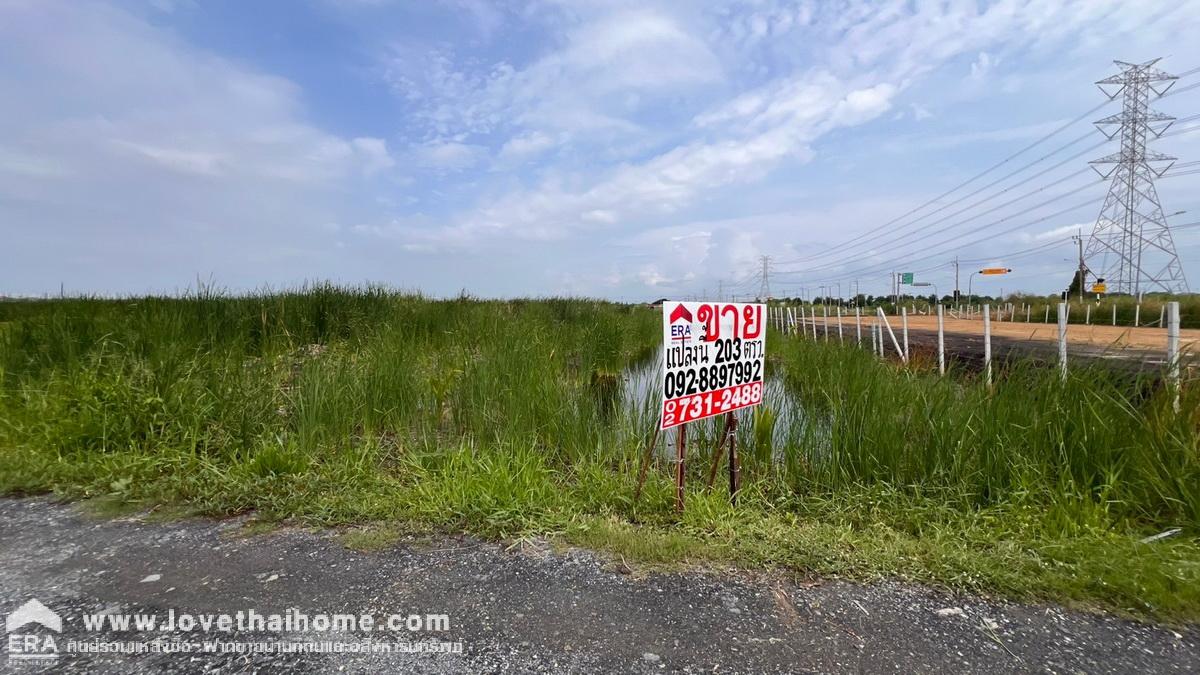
point(619, 149)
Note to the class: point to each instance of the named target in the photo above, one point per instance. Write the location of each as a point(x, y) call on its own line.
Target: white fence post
point(839, 317)
point(892, 334)
point(1046, 319)
point(1087, 316)
point(825, 318)
point(941, 342)
point(987, 344)
point(1114, 313)
point(1137, 315)
point(1062, 338)
point(904, 329)
point(1162, 312)
point(858, 324)
point(1027, 308)
point(1173, 351)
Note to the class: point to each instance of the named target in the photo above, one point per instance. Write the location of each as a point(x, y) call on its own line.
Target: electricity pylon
point(764, 291)
point(1131, 246)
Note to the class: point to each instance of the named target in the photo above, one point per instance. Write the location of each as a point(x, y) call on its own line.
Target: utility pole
point(956, 279)
point(1082, 269)
point(764, 291)
point(1131, 246)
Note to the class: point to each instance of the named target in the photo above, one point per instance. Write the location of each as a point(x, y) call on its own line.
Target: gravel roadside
point(519, 609)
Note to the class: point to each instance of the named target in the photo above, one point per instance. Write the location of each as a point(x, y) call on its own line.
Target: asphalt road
point(520, 608)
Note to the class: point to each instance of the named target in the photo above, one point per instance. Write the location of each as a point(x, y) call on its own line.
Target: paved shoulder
point(296, 601)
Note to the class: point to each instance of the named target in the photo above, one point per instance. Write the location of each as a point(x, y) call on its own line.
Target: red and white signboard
point(712, 359)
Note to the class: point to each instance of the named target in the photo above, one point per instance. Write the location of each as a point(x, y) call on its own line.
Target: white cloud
point(982, 66)
point(584, 85)
point(176, 159)
point(374, 154)
point(757, 139)
point(179, 161)
point(875, 56)
point(1057, 232)
point(526, 145)
point(448, 155)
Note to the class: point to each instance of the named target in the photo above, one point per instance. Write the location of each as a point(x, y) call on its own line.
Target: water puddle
point(781, 423)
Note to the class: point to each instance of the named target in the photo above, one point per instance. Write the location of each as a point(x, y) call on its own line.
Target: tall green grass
point(1096, 440)
point(1101, 314)
point(338, 405)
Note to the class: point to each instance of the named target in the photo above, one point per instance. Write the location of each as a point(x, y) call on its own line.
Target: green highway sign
point(906, 277)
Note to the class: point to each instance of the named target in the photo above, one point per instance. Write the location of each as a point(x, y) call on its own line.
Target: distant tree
point(1077, 280)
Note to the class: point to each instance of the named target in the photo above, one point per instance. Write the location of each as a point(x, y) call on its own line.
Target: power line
point(998, 221)
point(842, 261)
point(903, 236)
point(852, 241)
point(748, 280)
point(881, 267)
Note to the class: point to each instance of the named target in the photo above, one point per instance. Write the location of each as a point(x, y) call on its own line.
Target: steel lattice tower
point(764, 290)
point(1131, 246)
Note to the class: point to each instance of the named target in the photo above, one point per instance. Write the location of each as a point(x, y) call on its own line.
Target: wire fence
point(975, 334)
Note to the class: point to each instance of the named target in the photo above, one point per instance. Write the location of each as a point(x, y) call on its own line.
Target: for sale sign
point(712, 359)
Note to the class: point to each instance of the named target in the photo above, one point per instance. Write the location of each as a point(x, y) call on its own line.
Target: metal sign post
point(680, 450)
point(727, 442)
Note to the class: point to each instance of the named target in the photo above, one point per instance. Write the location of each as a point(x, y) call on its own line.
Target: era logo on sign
point(29, 646)
point(681, 331)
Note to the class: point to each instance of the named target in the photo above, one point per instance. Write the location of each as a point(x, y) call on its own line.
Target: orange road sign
point(995, 270)
point(1099, 288)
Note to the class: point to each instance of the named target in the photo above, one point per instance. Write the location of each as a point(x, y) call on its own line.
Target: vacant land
point(514, 419)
